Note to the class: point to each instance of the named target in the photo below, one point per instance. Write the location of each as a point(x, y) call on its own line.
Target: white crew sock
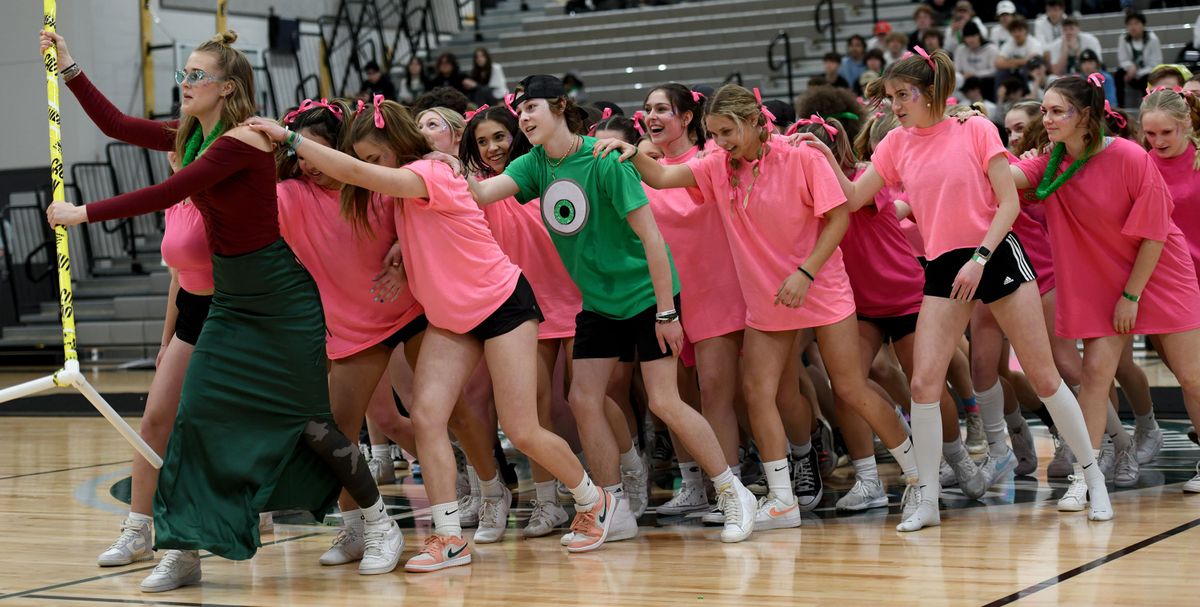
point(723, 479)
point(586, 494)
point(1146, 422)
point(473, 480)
point(954, 451)
point(1014, 420)
point(138, 517)
point(866, 469)
point(631, 460)
point(991, 411)
point(353, 519)
point(799, 451)
point(491, 489)
point(1116, 431)
point(381, 452)
point(691, 472)
point(546, 491)
point(779, 480)
point(376, 513)
point(445, 519)
point(906, 456)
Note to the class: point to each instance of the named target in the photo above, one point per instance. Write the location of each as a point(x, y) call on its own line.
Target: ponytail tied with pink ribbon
point(309, 104)
point(1116, 116)
point(473, 113)
point(924, 55)
point(1163, 87)
point(697, 96)
point(763, 108)
point(817, 120)
point(376, 101)
point(605, 115)
point(638, 116)
point(508, 99)
point(1096, 79)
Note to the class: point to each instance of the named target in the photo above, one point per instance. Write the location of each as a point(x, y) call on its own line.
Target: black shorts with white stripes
point(1007, 270)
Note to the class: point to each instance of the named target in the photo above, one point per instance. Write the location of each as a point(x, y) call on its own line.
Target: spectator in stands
point(940, 9)
point(573, 86)
point(833, 63)
point(882, 29)
point(1168, 75)
point(1016, 54)
point(1138, 52)
point(895, 45)
point(489, 76)
point(447, 73)
point(415, 82)
point(923, 18)
point(1012, 91)
point(973, 89)
point(375, 82)
point(854, 63)
point(875, 63)
point(1005, 11)
point(932, 40)
point(1089, 63)
point(976, 58)
point(1039, 76)
point(442, 96)
point(1048, 27)
point(1064, 54)
point(964, 13)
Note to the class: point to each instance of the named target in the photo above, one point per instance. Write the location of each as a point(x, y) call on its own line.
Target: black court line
point(96, 599)
point(4, 478)
point(94, 578)
point(1084, 568)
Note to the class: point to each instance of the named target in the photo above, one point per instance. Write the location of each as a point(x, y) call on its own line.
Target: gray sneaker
point(864, 495)
point(972, 479)
point(976, 439)
point(1148, 443)
point(1023, 448)
point(1125, 473)
point(134, 544)
point(382, 470)
point(347, 546)
point(1062, 465)
point(1108, 458)
point(177, 568)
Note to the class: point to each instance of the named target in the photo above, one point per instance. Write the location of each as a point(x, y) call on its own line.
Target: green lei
point(1049, 182)
point(197, 142)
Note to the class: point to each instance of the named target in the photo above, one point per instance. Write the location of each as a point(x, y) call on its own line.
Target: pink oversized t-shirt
point(185, 247)
point(886, 277)
point(344, 264)
point(943, 169)
point(454, 266)
point(773, 230)
point(1184, 184)
point(710, 296)
point(1098, 219)
point(519, 231)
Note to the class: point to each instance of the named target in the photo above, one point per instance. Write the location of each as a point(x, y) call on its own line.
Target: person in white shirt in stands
point(488, 74)
point(1005, 11)
point(1064, 54)
point(882, 29)
point(963, 14)
point(1017, 52)
point(1048, 27)
point(1137, 54)
point(976, 56)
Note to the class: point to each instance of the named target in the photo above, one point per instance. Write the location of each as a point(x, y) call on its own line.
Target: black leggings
point(344, 459)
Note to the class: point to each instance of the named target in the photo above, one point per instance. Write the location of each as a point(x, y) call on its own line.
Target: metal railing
point(786, 64)
point(830, 26)
point(27, 252)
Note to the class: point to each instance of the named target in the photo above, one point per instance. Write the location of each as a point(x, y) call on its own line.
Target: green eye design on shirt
point(565, 207)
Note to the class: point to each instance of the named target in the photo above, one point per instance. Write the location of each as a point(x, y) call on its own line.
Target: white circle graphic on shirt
point(565, 207)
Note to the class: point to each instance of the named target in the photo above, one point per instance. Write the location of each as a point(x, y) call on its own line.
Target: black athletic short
point(193, 310)
point(1007, 270)
point(407, 332)
point(894, 328)
point(518, 308)
point(598, 336)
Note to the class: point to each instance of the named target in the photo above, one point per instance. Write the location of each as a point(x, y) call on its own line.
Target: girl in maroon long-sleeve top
point(256, 386)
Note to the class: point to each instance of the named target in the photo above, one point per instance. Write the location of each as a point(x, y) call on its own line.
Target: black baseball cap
point(539, 86)
point(1088, 55)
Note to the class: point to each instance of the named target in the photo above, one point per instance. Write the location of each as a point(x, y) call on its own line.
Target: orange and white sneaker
point(774, 514)
point(590, 529)
point(440, 552)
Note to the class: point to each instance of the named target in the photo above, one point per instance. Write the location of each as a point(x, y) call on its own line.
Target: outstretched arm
point(655, 175)
point(858, 193)
point(492, 189)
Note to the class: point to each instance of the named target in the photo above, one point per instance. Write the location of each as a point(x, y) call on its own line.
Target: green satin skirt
point(257, 376)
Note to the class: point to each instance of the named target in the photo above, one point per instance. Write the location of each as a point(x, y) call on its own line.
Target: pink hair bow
point(605, 115)
point(951, 100)
point(377, 101)
point(924, 55)
point(1120, 120)
point(1163, 87)
point(697, 96)
point(814, 119)
point(763, 108)
point(473, 113)
point(508, 99)
point(309, 104)
point(637, 122)
point(1096, 80)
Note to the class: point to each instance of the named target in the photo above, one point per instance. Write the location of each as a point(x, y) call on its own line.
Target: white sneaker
point(266, 523)
point(382, 545)
point(176, 569)
point(1148, 443)
point(972, 479)
point(910, 499)
point(946, 475)
point(689, 498)
point(624, 526)
point(976, 438)
point(1126, 472)
point(995, 469)
point(382, 470)
point(637, 491)
point(864, 495)
point(1062, 465)
point(1023, 448)
point(1193, 486)
point(739, 507)
point(1108, 458)
point(774, 514)
point(544, 519)
point(925, 514)
point(1076, 497)
point(347, 546)
point(468, 510)
point(134, 544)
point(493, 518)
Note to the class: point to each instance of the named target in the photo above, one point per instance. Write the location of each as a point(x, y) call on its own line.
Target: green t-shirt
point(584, 205)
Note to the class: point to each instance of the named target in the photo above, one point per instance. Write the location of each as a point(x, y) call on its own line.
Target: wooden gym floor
point(58, 478)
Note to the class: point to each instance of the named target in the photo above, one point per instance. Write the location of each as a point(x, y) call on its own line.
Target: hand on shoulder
point(249, 136)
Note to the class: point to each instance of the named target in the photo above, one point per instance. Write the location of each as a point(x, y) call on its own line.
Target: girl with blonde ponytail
point(256, 385)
